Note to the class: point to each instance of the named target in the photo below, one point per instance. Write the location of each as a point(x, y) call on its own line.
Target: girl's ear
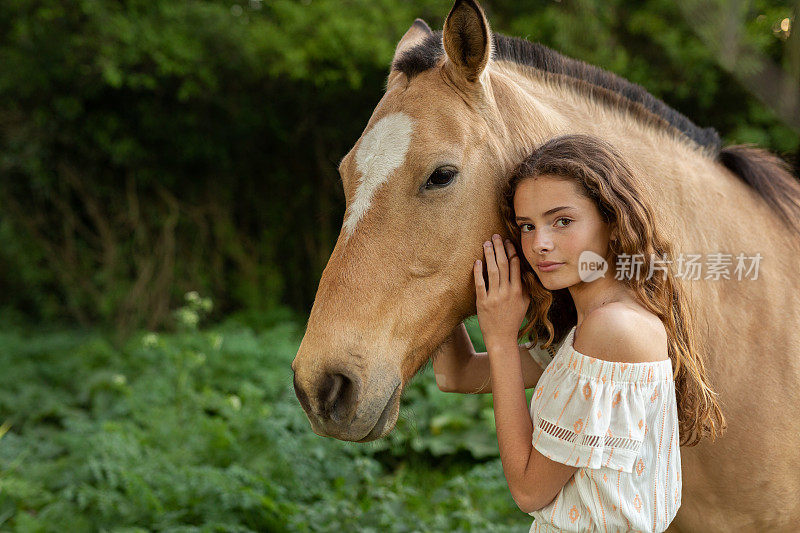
point(614, 235)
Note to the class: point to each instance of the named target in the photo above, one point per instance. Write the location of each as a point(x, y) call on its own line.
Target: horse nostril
point(301, 395)
point(329, 391)
point(337, 396)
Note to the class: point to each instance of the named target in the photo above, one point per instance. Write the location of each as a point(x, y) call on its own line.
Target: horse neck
point(533, 106)
point(536, 105)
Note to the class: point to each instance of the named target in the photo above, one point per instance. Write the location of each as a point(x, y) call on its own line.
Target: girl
point(599, 450)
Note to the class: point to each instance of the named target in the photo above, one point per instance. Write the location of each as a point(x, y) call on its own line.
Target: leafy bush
point(199, 430)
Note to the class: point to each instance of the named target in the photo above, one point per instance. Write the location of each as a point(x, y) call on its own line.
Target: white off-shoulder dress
point(617, 422)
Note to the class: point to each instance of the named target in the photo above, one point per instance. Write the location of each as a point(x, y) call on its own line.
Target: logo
point(591, 266)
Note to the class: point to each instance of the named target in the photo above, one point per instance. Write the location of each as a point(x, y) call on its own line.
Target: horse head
point(421, 188)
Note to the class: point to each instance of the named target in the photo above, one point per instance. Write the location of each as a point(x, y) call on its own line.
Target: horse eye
point(441, 177)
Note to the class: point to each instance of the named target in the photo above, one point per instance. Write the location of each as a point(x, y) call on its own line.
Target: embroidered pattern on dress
point(587, 391)
point(595, 441)
point(574, 513)
point(617, 398)
point(637, 503)
point(640, 467)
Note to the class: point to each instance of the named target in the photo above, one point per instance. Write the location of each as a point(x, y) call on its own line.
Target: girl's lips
point(550, 267)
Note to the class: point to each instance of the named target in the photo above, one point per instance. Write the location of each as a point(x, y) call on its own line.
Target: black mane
point(426, 55)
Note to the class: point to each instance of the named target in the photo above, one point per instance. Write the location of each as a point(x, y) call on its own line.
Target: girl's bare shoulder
point(622, 332)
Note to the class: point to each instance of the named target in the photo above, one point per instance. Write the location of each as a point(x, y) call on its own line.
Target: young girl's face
point(556, 225)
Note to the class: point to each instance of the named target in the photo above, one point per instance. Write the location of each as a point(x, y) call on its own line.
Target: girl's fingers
point(491, 266)
point(502, 260)
point(514, 263)
point(480, 287)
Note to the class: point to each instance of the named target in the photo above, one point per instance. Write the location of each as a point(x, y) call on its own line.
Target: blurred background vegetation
point(149, 149)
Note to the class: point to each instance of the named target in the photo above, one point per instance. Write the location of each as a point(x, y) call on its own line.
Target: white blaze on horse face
point(382, 150)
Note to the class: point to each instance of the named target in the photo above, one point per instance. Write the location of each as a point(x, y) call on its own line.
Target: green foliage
point(199, 430)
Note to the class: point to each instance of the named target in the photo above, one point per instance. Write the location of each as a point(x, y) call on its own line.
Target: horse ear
point(415, 34)
point(418, 31)
point(466, 39)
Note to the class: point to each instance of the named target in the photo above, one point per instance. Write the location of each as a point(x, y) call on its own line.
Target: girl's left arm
point(534, 480)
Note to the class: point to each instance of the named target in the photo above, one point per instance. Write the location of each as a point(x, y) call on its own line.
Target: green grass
point(199, 430)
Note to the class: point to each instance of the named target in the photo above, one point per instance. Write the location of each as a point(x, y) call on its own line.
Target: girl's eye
point(523, 226)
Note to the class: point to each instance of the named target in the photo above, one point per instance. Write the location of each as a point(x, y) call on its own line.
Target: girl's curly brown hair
point(603, 176)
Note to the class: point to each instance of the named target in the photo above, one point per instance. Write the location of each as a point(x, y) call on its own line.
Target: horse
point(422, 185)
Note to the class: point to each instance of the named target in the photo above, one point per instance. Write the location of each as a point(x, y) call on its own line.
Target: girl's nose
point(542, 243)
